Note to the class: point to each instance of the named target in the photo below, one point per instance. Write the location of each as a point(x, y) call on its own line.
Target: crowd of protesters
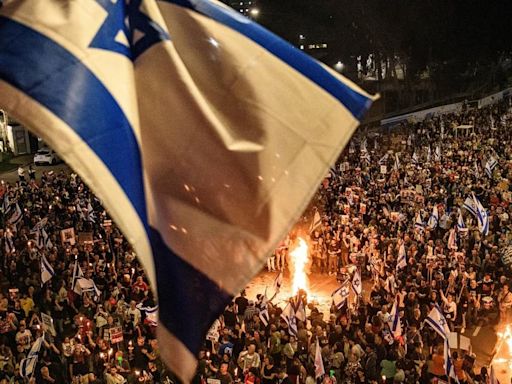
point(367, 210)
point(104, 335)
point(380, 198)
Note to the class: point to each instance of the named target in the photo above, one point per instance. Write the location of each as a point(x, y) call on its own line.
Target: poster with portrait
point(67, 236)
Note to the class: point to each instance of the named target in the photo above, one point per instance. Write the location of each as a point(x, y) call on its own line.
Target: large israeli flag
point(202, 133)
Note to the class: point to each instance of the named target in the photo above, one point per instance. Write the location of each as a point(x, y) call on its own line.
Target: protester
point(402, 215)
point(97, 329)
point(399, 218)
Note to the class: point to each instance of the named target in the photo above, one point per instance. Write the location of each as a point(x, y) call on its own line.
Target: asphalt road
point(12, 176)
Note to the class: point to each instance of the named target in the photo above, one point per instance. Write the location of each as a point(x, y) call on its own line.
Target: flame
point(505, 337)
point(299, 259)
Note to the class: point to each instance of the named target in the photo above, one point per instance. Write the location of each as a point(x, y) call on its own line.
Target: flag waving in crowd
point(102, 93)
point(319, 363)
point(401, 261)
point(46, 270)
point(438, 322)
point(482, 217)
point(433, 220)
point(28, 364)
point(340, 295)
point(490, 165)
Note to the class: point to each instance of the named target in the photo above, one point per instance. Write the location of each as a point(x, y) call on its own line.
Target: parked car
point(46, 156)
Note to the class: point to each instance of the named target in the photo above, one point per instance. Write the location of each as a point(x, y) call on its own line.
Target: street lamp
point(339, 66)
point(254, 12)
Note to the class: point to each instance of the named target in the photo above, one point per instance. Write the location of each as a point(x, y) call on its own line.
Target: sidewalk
point(22, 159)
point(14, 163)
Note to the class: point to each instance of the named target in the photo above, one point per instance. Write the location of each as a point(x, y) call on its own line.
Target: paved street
point(25, 161)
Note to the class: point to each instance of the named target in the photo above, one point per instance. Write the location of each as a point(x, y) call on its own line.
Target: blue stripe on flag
point(436, 326)
point(55, 78)
point(48, 266)
point(189, 301)
point(355, 102)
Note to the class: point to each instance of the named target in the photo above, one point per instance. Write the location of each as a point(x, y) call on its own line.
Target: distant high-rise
point(242, 6)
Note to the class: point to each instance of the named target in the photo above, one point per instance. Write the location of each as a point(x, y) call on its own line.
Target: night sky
point(424, 31)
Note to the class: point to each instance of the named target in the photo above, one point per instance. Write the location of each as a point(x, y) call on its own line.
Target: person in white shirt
point(133, 310)
point(449, 308)
point(21, 173)
point(249, 359)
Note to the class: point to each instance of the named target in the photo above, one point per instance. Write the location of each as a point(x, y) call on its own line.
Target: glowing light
point(507, 337)
point(213, 42)
point(504, 359)
point(299, 258)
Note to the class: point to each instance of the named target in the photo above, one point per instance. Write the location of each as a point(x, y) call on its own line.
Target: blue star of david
point(442, 322)
point(126, 29)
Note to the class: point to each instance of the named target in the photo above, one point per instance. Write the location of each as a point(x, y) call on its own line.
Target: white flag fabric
point(144, 99)
point(397, 162)
point(357, 285)
point(482, 217)
point(28, 364)
point(16, 216)
point(401, 261)
point(384, 159)
point(6, 205)
point(81, 284)
point(452, 239)
point(448, 362)
point(470, 205)
point(278, 281)
point(319, 362)
point(394, 323)
point(461, 226)
point(437, 154)
point(317, 221)
point(433, 220)
point(47, 271)
point(288, 315)
point(438, 322)
point(340, 295)
point(477, 170)
point(490, 165)
point(415, 158)
point(429, 155)
point(418, 222)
